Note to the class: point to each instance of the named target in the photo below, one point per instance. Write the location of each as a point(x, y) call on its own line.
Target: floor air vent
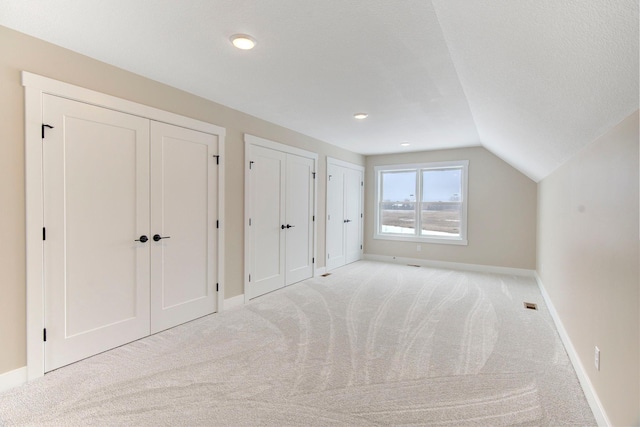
point(530, 306)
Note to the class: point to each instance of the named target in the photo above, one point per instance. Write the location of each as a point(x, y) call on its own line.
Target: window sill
point(437, 240)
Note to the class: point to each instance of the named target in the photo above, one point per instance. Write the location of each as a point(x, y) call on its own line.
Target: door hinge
point(360, 247)
point(45, 126)
point(249, 221)
point(251, 164)
point(313, 260)
point(361, 183)
point(314, 175)
point(328, 256)
point(44, 334)
point(360, 215)
point(217, 159)
point(314, 218)
point(217, 224)
point(44, 233)
point(217, 287)
point(249, 276)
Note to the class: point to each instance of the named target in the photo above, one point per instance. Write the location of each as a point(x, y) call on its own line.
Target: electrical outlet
point(597, 358)
point(419, 248)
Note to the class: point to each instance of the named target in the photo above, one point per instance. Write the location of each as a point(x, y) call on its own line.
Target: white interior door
point(96, 204)
point(299, 212)
point(353, 215)
point(344, 213)
point(335, 217)
point(266, 232)
point(183, 225)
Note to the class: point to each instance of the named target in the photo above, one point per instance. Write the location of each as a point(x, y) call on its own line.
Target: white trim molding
point(262, 142)
point(35, 87)
point(360, 221)
point(251, 141)
point(452, 265)
point(590, 393)
point(12, 379)
point(344, 164)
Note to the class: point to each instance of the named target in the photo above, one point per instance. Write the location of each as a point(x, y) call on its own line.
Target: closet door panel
point(96, 204)
point(183, 200)
point(267, 207)
point(335, 217)
point(299, 209)
point(352, 209)
point(344, 213)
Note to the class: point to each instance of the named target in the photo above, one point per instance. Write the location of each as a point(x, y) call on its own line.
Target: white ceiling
point(533, 81)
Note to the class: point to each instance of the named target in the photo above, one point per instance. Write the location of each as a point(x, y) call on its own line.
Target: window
point(422, 202)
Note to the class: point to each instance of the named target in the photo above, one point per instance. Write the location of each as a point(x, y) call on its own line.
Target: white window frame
point(417, 167)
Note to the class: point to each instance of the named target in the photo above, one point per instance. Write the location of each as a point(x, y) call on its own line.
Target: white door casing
point(183, 216)
point(279, 192)
point(116, 204)
point(345, 191)
point(96, 275)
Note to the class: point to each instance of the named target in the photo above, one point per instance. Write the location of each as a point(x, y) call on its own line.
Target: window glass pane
point(441, 209)
point(398, 204)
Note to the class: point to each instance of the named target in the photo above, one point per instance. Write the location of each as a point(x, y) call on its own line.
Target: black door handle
point(347, 220)
point(290, 226)
point(282, 227)
point(142, 239)
point(157, 237)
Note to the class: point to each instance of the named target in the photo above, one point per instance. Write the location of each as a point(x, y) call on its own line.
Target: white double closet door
point(280, 219)
point(345, 186)
point(129, 207)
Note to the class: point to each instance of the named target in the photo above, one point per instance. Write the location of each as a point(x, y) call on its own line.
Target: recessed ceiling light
point(243, 41)
point(361, 116)
point(405, 144)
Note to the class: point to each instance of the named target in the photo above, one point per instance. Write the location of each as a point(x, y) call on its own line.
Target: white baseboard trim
point(13, 378)
point(452, 265)
point(234, 302)
point(592, 397)
point(319, 271)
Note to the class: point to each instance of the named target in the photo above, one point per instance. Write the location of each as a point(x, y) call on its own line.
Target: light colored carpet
point(371, 344)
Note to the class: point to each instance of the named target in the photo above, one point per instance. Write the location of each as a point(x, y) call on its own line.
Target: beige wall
point(588, 260)
point(501, 212)
point(19, 52)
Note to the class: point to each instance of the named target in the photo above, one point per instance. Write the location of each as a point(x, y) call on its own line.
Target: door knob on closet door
point(290, 226)
point(157, 237)
point(282, 227)
point(142, 239)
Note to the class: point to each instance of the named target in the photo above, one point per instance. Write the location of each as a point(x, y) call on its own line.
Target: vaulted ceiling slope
point(533, 81)
point(543, 78)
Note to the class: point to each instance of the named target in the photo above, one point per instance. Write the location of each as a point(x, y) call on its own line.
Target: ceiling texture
point(533, 81)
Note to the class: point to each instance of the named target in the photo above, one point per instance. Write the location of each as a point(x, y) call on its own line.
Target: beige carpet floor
point(370, 344)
